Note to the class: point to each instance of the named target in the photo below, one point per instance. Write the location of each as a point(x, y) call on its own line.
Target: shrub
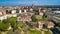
point(20, 25)
point(4, 26)
point(35, 32)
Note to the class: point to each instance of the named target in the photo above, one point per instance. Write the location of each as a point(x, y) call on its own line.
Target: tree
point(58, 24)
point(20, 25)
point(12, 21)
point(33, 18)
point(41, 19)
point(4, 26)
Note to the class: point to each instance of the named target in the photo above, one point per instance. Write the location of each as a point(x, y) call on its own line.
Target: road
point(55, 31)
point(53, 17)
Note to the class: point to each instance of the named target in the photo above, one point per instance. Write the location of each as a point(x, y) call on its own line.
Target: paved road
point(56, 19)
point(53, 17)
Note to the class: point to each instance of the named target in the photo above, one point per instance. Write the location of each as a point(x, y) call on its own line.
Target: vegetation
point(41, 19)
point(33, 18)
point(0, 32)
point(48, 32)
point(20, 25)
point(58, 24)
point(4, 26)
point(35, 32)
point(10, 31)
point(13, 22)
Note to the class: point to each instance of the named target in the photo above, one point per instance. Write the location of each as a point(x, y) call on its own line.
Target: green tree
point(20, 25)
point(12, 21)
point(4, 26)
point(58, 24)
point(33, 18)
point(41, 19)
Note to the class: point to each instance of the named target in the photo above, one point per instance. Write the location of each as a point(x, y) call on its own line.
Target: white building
point(11, 15)
point(13, 11)
point(25, 10)
point(3, 17)
point(20, 11)
point(56, 12)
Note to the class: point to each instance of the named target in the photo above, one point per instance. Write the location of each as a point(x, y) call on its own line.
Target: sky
point(28, 2)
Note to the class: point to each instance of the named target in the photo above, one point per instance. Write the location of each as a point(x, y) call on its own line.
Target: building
point(6, 13)
point(24, 18)
point(31, 9)
point(0, 13)
point(50, 24)
point(20, 11)
point(40, 15)
point(13, 12)
point(40, 24)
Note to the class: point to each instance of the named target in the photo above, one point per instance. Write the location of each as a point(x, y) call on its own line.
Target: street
point(55, 31)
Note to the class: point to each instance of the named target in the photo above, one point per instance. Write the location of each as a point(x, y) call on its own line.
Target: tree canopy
point(4, 26)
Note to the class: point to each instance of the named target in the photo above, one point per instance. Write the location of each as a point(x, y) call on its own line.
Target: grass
point(20, 25)
point(41, 19)
point(35, 32)
point(10, 31)
point(47, 32)
point(0, 32)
